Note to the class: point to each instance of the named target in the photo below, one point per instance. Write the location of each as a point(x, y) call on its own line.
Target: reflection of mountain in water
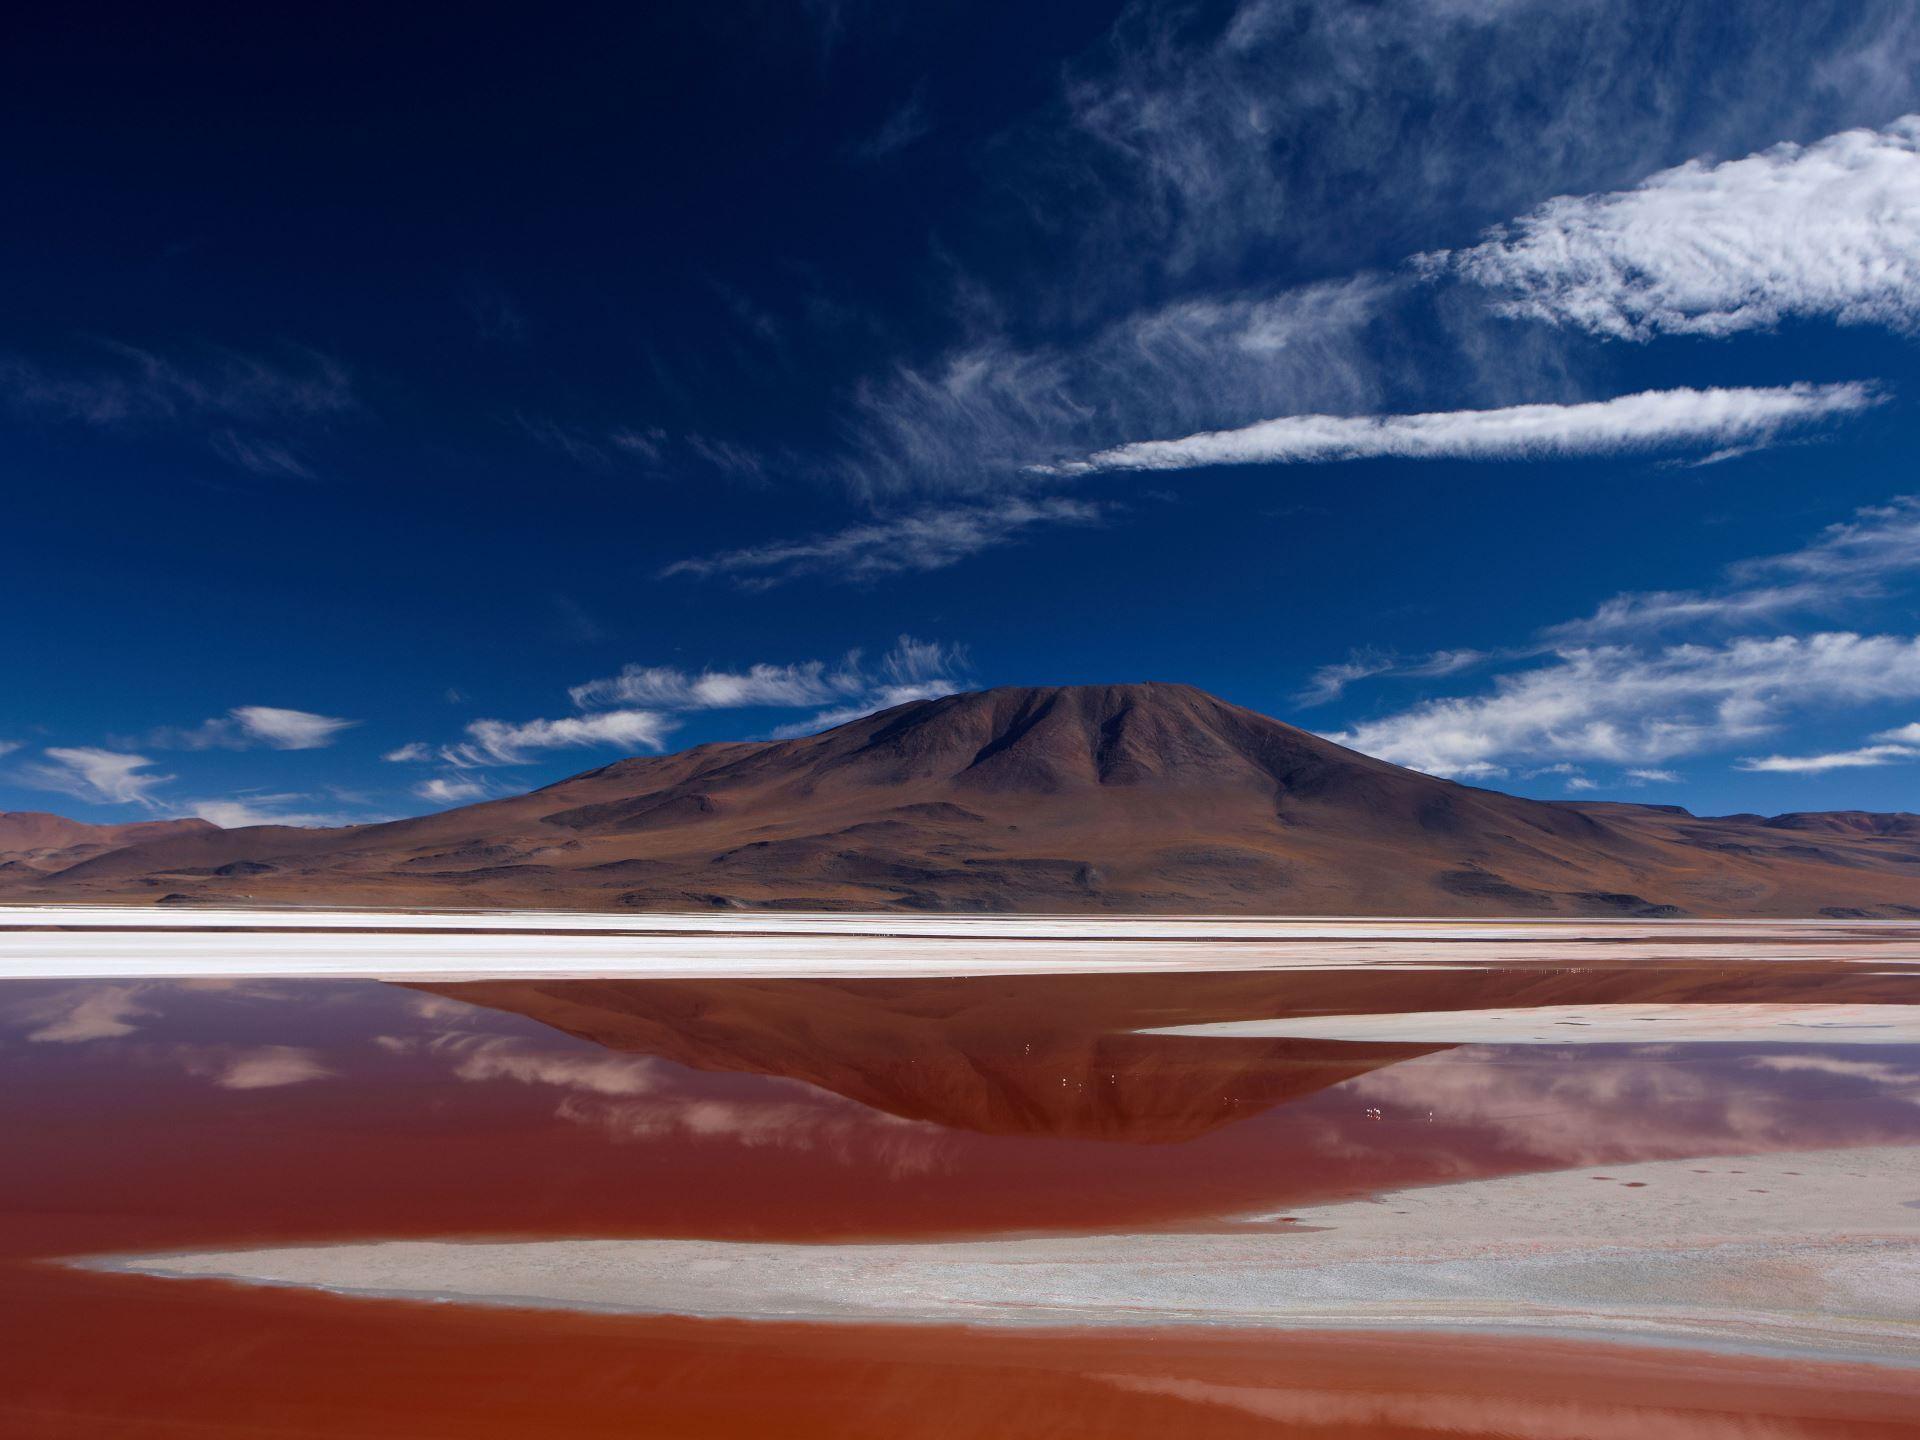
point(1054, 1054)
point(1020, 1057)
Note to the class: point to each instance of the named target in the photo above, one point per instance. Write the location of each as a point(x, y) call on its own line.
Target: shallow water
point(216, 1115)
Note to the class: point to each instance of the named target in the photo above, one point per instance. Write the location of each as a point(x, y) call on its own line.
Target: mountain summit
point(1148, 797)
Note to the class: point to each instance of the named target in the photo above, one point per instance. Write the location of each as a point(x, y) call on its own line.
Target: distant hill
point(33, 843)
point(1079, 798)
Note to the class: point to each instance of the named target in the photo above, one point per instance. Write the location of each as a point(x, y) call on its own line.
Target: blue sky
point(396, 412)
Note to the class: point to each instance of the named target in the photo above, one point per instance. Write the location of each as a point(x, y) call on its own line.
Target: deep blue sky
point(415, 370)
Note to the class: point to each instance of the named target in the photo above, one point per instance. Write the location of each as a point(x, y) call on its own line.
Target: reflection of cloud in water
point(492, 1057)
point(86, 1012)
point(264, 1067)
point(439, 1010)
point(1895, 1080)
point(839, 1128)
point(1580, 1107)
point(605, 1093)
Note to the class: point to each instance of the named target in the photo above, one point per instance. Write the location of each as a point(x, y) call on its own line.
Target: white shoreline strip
point(108, 942)
point(891, 922)
point(1805, 1252)
point(1765, 1023)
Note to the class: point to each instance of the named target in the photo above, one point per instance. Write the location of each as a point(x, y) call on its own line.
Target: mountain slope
point(1122, 797)
point(32, 841)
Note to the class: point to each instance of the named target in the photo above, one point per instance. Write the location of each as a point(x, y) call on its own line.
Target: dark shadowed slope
point(1122, 798)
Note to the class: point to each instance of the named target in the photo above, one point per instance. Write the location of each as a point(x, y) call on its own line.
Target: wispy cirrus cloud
point(641, 705)
point(248, 725)
point(922, 540)
point(258, 808)
point(247, 407)
point(1630, 706)
point(451, 789)
point(1198, 150)
point(807, 682)
point(86, 772)
point(1890, 747)
point(131, 385)
point(1191, 142)
point(1828, 230)
point(1856, 559)
point(596, 448)
point(510, 742)
point(1649, 421)
point(1330, 682)
point(847, 688)
point(1864, 757)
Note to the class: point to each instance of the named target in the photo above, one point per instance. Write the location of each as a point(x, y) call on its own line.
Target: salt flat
point(1812, 1252)
point(82, 942)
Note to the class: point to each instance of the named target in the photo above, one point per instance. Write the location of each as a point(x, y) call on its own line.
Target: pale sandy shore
point(1810, 1253)
point(82, 942)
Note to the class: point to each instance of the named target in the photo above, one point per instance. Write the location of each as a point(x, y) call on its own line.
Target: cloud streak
point(1623, 705)
point(923, 540)
point(1650, 420)
point(104, 777)
point(503, 742)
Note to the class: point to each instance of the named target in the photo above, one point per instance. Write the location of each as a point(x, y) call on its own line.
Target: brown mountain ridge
point(1122, 798)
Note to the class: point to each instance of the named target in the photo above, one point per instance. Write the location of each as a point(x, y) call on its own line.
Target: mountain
point(33, 842)
point(1121, 798)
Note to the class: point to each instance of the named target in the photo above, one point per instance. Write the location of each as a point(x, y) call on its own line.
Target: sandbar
point(1812, 1253)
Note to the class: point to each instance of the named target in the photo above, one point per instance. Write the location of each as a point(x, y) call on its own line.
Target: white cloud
point(504, 742)
point(450, 790)
point(1194, 145)
point(1901, 735)
point(1830, 229)
point(106, 777)
point(1652, 419)
point(912, 670)
point(1864, 757)
point(1651, 776)
point(7, 747)
point(848, 688)
point(246, 725)
point(930, 539)
point(1622, 705)
point(650, 698)
point(810, 682)
point(884, 697)
point(260, 810)
point(289, 729)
